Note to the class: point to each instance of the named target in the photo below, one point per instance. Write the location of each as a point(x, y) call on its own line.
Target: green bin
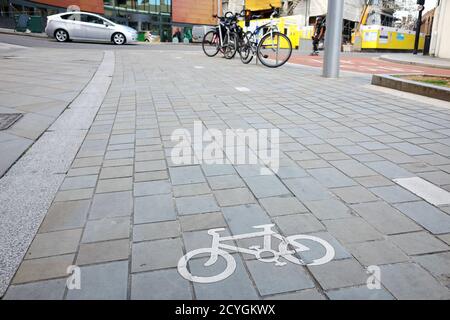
point(141, 36)
point(35, 24)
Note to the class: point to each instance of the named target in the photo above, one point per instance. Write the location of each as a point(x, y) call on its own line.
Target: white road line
point(242, 89)
point(426, 190)
point(199, 67)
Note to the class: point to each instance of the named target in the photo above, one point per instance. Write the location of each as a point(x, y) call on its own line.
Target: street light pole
point(333, 38)
point(421, 4)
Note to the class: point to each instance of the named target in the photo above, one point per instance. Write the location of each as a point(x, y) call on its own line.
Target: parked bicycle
point(223, 38)
point(273, 49)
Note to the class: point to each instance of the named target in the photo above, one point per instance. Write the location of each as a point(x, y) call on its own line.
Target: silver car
point(88, 26)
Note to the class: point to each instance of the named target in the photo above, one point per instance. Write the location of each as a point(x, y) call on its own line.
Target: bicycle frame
point(267, 233)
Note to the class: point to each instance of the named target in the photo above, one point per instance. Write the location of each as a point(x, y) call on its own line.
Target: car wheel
point(61, 35)
point(118, 38)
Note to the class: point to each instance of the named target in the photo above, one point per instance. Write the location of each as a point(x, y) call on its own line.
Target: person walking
point(319, 34)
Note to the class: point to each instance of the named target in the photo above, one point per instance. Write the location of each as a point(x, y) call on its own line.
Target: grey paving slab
point(151, 165)
point(241, 219)
point(377, 253)
point(359, 293)
point(328, 209)
point(291, 172)
point(96, 252)
point(225, 182)
point(83, 171)
point(154, 209)
point(282, 205)
point(266, 186)
point(307, 189)
point(354, 194)
point(160, 285)
point(43, 268)
point(158, 254)
point(65, 215)
point(428, 216)
point(248, 170)
point(353, 168)
point(235, 287)
point(116, 172)
point(218, 169)
point(202, 221)
point(151, 188)
point(394, 194)
point(290, 277)
point(439, 178)
point(234, 197)
point(331, 178)
point(410, 148)
point(373, 181)
point(196, 204)
point(445, 238)
point(75, 194)
point(307, 294)
point(113, 204)
point(41, 290)
point(186, 175)
point(193, 189)
point(355, 229)
point(298, 224)
point(409, 281)
point(438, 264)
point(96, 282)
point(114, 185)
point(389, 169)
point(418, 243)
point(340, 273)
point(106, 229)
point(54, 243)
point(79, 182)
point(157, 230)
point(385, 218)
point(11, 151)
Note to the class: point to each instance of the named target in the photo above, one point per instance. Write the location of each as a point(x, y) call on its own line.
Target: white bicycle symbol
point(218, 249)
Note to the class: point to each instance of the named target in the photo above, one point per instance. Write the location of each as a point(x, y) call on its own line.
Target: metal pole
point(418, 25)
point(219, 2)
point(333, 38)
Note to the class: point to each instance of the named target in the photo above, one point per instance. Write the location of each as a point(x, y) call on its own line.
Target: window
point(92, 19)
point(71, 16)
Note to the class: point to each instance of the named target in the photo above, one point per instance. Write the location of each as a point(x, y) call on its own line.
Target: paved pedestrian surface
point(32, 84)
point(370, 65)
point(418, 59)
point(125, 213)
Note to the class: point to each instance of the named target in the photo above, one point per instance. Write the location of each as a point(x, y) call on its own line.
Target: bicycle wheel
point(298, 248)
point(185, 273)
point(210, 43)
point(230, 46)
point(246, 51)
point(274, 49)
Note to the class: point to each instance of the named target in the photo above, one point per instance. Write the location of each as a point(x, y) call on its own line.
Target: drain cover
point(8, 119)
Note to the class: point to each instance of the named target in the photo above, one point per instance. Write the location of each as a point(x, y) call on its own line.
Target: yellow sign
point(255, 5)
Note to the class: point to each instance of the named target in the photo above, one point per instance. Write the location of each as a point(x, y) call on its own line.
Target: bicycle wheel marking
point(288, 248)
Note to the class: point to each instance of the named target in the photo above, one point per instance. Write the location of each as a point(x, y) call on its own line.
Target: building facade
point(142, 15)
point(440, 36)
